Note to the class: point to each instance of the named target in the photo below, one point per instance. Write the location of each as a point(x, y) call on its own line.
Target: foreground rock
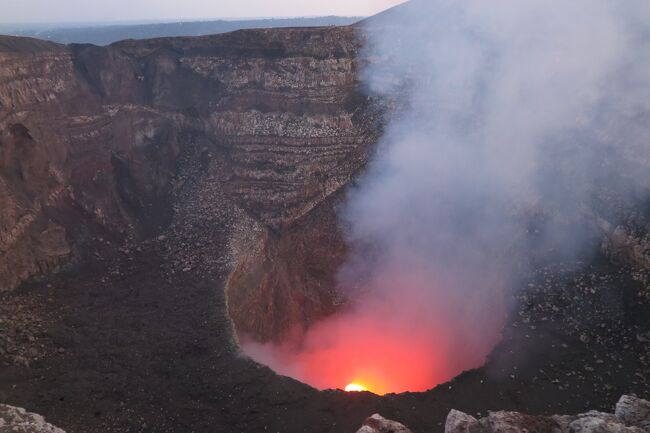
point(18, 420)
point(378, 424)
point(632, 416)
point(634, 411)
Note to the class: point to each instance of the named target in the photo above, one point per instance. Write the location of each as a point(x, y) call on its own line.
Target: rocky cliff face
point(103, 144)
point(92, 141)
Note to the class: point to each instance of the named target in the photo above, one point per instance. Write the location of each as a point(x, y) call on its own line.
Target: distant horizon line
point(168, 21)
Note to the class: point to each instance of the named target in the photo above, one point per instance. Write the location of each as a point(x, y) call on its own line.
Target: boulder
point(460, 422)
point(599, 422)
point(18, 420)
point(378, 424)
point(632, 416)
point(634, 411)
point(515, 422)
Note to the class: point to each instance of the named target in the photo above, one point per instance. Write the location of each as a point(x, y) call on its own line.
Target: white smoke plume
point(510, 111)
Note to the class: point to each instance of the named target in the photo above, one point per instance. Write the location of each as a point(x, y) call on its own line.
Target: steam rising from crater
point(510, 114)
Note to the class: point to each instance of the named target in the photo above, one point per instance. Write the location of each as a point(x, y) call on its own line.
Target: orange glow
point(355, 387)
point(360, 348)
point(364, 352)
point(389, 342)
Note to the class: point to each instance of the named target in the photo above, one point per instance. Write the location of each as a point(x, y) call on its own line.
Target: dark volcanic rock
point(631, 416)
point(92, 139)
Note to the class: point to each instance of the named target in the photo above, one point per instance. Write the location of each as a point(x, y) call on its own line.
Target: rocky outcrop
point(18, 420)
point(632, 415)
point(634, 411)
point(378, 424)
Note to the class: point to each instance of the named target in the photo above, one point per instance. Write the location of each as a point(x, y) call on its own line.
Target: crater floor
point(156, 353)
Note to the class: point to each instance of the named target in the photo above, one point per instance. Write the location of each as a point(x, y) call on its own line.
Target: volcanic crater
point(164, 200)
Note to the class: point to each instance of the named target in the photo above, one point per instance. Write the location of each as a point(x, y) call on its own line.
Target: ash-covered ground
point(122, 343)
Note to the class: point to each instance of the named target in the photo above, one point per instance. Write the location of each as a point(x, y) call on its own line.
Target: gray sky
point(32, 11)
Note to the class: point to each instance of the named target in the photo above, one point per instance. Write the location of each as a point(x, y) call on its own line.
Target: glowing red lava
point(360, 351)
point(389, 343)
point(355, 387)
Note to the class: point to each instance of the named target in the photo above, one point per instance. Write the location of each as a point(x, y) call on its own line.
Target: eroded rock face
point(28, 185)
point(286, 282)
point(18, 420)
point(92, 141)
point(95, 145)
